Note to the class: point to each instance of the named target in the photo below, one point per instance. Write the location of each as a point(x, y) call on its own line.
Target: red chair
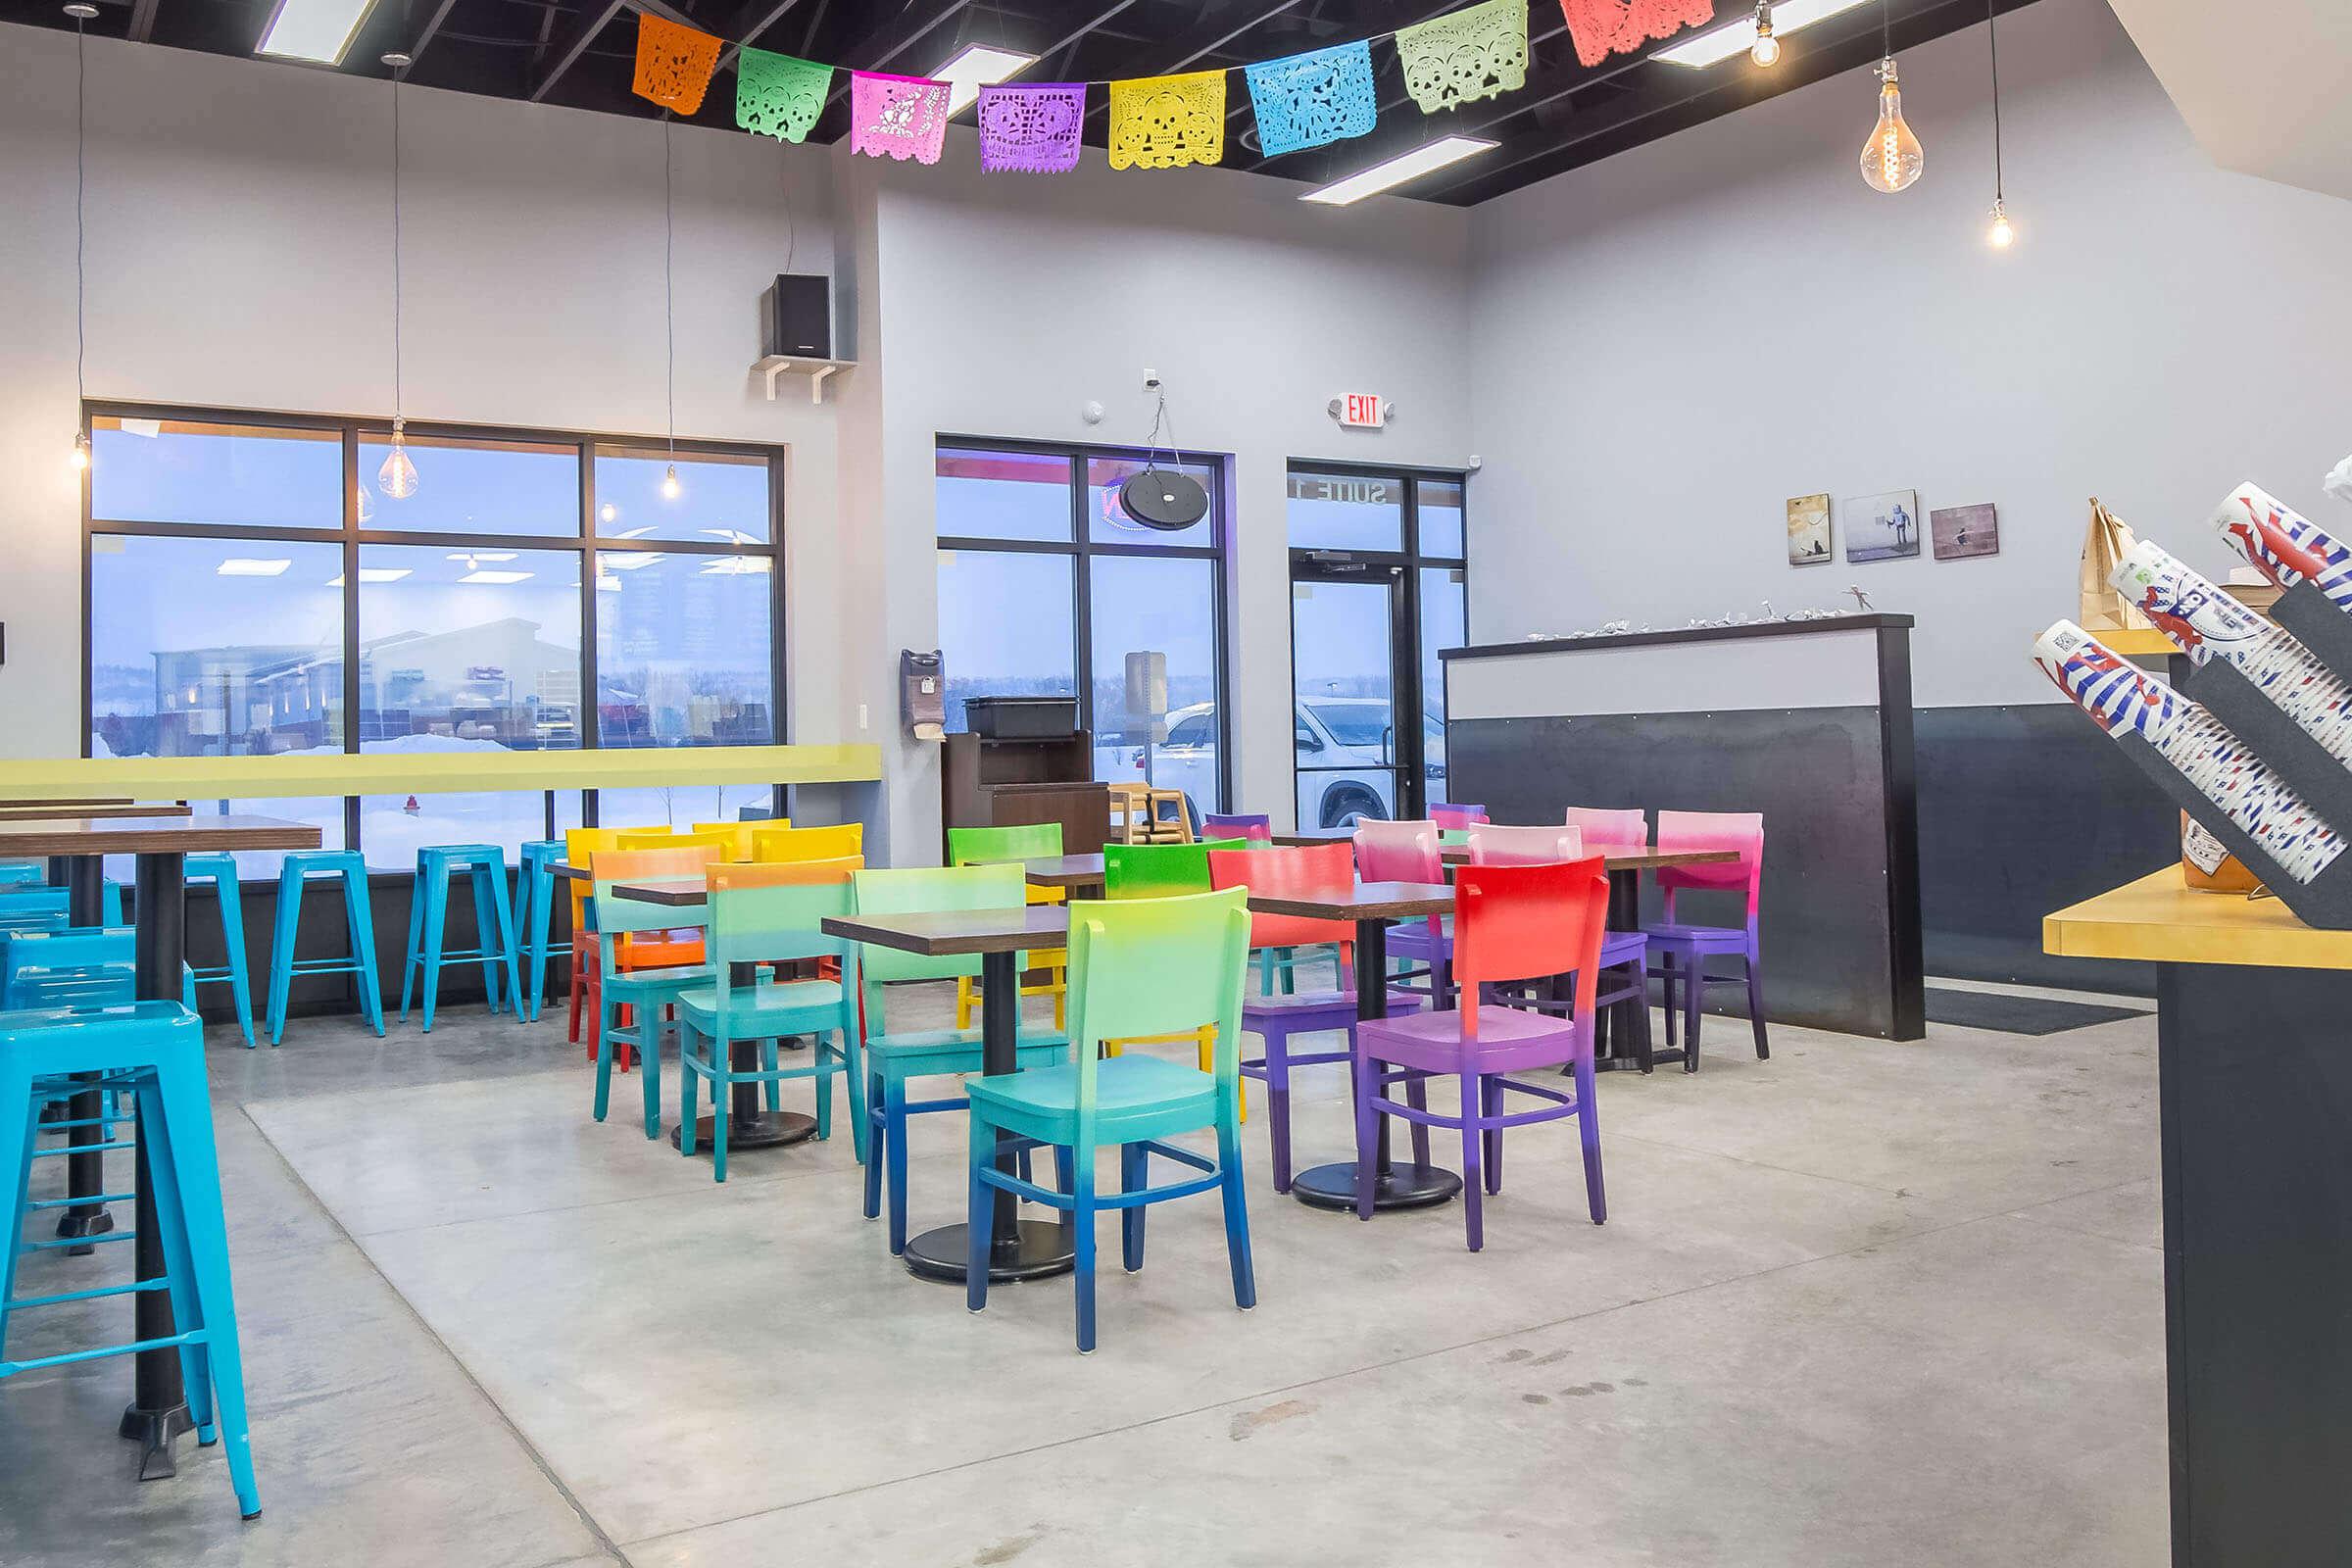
point(1683, 948)
point(1301, 873)
point(1510, 922)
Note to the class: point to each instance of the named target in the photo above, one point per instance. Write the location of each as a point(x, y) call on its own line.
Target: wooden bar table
point(159, 1409)
point(1074, 872)
point(1019, 1250)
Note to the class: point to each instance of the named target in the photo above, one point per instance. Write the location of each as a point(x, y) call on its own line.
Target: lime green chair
point(894, 1057)
point(989, 846)
point(1138, 967)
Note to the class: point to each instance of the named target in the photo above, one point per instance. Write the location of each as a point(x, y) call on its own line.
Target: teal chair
point(484, 865)
point(346, 867)
point(221, 871)
point(894, 1058)
point(1143, 967)
point(154, 1050)
point(644, 992)
point(534, 910)
point(763, 914)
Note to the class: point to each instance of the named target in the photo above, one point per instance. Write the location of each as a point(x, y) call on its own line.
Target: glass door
point(1348, 623)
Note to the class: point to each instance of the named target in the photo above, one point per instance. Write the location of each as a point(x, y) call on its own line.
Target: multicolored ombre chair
point(1458, 818)
point(1138, 968)
point(630, 998)
point(1609, 831)
point(1684, 949)
point(1409, 851)
point(1553, 846)
point(895, 1058)
point(1511, 923)
point(1322, 868)
point(763, 914)
point(987, 846)
point(1259, 829)
point(662, 947)
point(1160, 871)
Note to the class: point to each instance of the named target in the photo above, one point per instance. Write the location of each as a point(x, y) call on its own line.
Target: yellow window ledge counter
point(2161, 919)
point(2254, 1121)
point(435, 772)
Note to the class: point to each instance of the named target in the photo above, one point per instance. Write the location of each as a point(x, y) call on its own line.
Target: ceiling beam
point(753, 25)
point(1199, 44)
point(142, 20)
point(575, 44)
point(425, 34)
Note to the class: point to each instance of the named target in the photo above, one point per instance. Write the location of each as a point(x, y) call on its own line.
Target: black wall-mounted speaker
point(1164, 498)
point(801, 317)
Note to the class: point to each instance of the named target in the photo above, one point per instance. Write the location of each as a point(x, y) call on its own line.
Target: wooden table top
point(1065, 870)
point(152, 835)
point(2162, 918)
point(1368, 900)
point(675, 892)
point(13, 812)
point(1628, 861)
point(957, 932)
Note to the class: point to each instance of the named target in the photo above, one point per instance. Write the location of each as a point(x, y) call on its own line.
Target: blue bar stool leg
point(436, 909)
point(485, 930)
point(233, 937)
point(282, 950)
point(415, 955)
point(363, 945)
point(542, 896)
point(505, 938)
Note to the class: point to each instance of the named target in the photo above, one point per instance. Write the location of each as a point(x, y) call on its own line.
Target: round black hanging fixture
point(1165, 500)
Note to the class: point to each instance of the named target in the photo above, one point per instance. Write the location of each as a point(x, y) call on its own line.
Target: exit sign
point(1363, 411)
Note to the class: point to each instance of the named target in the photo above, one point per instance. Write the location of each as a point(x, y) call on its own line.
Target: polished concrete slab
point(1864, 1303)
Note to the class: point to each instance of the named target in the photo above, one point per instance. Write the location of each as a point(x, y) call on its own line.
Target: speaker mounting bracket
point(775, 365)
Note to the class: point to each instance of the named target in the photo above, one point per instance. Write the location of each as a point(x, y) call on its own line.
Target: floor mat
point(2018, 1015)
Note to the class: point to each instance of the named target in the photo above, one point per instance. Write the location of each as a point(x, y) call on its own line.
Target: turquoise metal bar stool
point(23, 874)
point(76, 966)
point(220, 869)
point(154, 1050)
point(301, 867)
point(534, 907)
point(485, 866)
point(33, 908)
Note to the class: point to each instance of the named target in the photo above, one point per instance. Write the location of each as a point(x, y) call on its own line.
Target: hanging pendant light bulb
point(81, 457)
point(1766, 50)
point(669, 484)
point(82, 450)
point(1892, 159)
point(2003, 233)
point(2002, 236)
point(398, 475)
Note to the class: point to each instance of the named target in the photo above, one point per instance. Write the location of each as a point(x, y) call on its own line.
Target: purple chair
point(1259, 829)
point(1540, 846)
point(1683, 948)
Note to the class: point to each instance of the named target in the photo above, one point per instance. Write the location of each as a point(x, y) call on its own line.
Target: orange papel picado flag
point(674, 63)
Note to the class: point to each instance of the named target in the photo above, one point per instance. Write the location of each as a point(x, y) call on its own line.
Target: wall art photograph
point(1963, 531)
point(1809, 530)
point(1882, 527)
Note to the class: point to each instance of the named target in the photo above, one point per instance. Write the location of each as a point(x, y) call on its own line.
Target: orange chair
point(638, 950)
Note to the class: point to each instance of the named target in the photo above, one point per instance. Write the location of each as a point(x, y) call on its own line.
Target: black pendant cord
point(669, 317)
point(82, 341)
point(396, 225)
point(1992, 39)
point(1887, 29)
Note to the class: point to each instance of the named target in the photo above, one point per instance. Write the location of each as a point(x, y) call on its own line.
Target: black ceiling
point(579, 53)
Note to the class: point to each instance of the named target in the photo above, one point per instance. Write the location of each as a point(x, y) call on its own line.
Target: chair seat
point(1411, 941)
point(1507, 1039)
point(917, 1053)
point(763, 1007)
point(1128, 1090)
point(1706, 938)
point(1623, 946)
point(667, 977)
point(1340, 1004)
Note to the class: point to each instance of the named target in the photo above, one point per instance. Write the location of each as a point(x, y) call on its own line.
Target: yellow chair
point(660, 838)
point(741, 833)
point(809, 843)
point(1027, 841)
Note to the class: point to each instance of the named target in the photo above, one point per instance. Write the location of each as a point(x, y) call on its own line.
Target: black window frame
point(1404, 567)
point(1081, 548)
point(351, 535)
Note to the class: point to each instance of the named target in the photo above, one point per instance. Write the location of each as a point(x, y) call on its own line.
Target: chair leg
point(649, 1075)
point(605, 1025)
point(1666, 978)
point(1278, 1103)
point(690, 1086)
point(580, 989)
point(894, 1158)
point(1082, 1215)
point(852, 1058)
point(1367, 1077)
point(1237, 1215)
point(963, 1002)
point(1134, 1162)
point(978, 1208)
point(877, 1138)
point(822, 1057)
point(1694, 996)
point(1588, 1128)
point(722, 1102)
point(1473, 1217)
point(1491, 1106)
point(1642, 1038)
point(1755, 1004)
point(772, 1090)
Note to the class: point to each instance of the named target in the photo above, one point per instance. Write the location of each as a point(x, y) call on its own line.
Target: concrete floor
point(1864, 1304)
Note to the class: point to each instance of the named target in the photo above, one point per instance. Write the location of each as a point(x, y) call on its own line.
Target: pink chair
point(1257, 829)
point(1683, 948)
point(1407, 851)
point(1610, 832)
point(1541, 846)
point(1455, 818)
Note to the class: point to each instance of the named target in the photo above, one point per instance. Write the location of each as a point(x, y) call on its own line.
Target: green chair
point(1140, 967)
point(892, 1058)
point(760, 915)
point(989, 846)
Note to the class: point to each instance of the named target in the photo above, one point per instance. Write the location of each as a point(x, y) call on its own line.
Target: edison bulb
point(80, 460)
point(670, 488)
point(1893, 158)
point(609, 512)
point(1766, 50)
point(398, 476)
point(2002, 236)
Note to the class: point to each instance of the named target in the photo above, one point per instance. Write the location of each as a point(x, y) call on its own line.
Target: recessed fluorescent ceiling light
point(311, 29)
point(629, 559)
point(735, 567)
point(1713, 48)
point(494, 576)
point(472, 556)
point(1397, 171)
point(248, 567)
point(373, 575)
point(979, 65)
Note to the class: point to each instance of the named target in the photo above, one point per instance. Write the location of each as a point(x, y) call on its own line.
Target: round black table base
point(152, 1431)
point(764, 1131)
point(1044, 1248)
point(1404, 1186)
point(75, 1224)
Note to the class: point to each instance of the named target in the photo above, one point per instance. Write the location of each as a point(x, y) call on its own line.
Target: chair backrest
point(66, 947)
point(1743, 831)
point(1301, 873)
point(809, 843)
point(1521, 922)
point(766, 913)
point(934, 889)
point(614, 916)
point(1260, 828)
point(1159, 870)
point(1146, 967)
point(658, 838)
point(1525, 846)
point(580, 842)
point(1398, 852)
point(1024, 841)
point(33, 908)
point(1609, 832)
point(739, 834)
point(1446, 813)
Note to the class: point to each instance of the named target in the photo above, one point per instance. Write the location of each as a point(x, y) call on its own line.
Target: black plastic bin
point(1021, 718)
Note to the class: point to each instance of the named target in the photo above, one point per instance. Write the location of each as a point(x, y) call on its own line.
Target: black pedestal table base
point(1398, 1187)
point(765, 1129)
point(1038, 1249)
point(159, 1407)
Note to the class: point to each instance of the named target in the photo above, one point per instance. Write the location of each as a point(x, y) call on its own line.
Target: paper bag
point(2103, 608)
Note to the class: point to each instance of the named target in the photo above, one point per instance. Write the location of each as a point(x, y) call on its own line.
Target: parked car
point(1343, 748)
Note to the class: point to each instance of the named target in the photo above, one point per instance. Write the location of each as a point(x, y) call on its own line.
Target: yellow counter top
point(2147, 643)
point(2161, 918)
point(434, 772)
